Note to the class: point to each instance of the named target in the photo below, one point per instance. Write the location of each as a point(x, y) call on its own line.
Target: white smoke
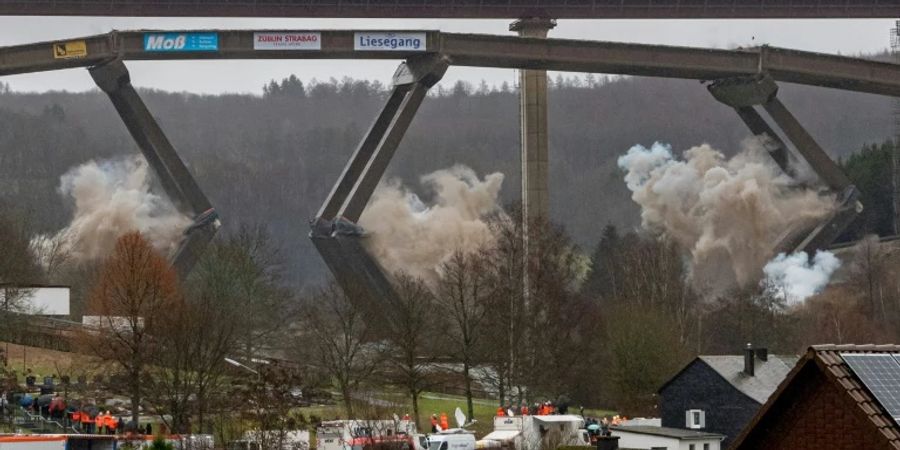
point(410, 236)
point(113, 198)
point(794, 278)
point(727, 214)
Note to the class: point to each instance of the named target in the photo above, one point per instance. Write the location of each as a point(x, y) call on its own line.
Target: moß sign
point(181, 42)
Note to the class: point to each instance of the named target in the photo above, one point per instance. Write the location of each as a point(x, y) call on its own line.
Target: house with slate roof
point(721, 393)
point(836, 397)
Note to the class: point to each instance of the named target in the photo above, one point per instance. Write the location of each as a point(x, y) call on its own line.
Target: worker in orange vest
point(524, 410)
point(445, 424)
point(434, 423)
point(111, 423)
point(100, 422)
point(500, 412)
point(86, 422)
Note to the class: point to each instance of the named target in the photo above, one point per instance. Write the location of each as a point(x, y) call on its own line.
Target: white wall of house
point(43, 301)
point(648, 441)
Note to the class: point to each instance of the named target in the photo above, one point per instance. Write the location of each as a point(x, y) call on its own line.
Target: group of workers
point(101, 423)
point(538, 409)
point(597, 428)
point(441, 424)
point(84, 416)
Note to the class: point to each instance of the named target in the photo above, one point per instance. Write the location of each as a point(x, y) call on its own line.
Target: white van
point(452, 439)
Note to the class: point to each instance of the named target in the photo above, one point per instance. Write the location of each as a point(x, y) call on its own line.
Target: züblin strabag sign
point(387, 41)
point(181, 42)
point(287, 41)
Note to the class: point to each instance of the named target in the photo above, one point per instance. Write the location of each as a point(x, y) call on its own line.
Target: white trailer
point(33, 442)
point(341, 434)
point(536, 432)
point(95, 442)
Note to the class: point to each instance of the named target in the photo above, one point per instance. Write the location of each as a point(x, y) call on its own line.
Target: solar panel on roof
point(880, 372)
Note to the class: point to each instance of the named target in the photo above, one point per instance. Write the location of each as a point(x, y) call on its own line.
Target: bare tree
point(136, 286)
point(244, 269)
point(505, 265)
point(462, 295)
point(870, 266)
point(410, 328)
point(189, 364)
point(18, 270)
point(340, 340)
point(262, 407)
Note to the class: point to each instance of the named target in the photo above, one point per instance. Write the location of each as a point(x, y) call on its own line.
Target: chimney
point(748, 360)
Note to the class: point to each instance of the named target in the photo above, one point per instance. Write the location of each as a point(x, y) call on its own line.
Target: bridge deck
point(484, 50)
point(482, 9)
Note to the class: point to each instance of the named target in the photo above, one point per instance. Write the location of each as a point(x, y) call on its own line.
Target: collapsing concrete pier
point(334, 231)
point(113, 78)
point(744, 94)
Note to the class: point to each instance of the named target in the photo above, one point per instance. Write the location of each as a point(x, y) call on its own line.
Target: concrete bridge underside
point(461, 9)
point(745, 79)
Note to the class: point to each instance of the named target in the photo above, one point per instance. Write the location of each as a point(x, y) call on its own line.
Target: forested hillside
point(272, 159)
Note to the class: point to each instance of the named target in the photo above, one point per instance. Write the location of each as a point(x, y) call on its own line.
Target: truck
point(350, 434)
point(536, 432)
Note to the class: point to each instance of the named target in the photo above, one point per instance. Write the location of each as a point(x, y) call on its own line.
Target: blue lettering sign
point(386, 41)
point(181, 42)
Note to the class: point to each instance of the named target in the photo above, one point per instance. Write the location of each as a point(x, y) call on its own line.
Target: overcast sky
point(847, 37)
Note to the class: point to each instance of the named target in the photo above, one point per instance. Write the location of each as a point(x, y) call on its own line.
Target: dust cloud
point(794, 278)
point(727, 214)
point(113, 198)
point(408, 235)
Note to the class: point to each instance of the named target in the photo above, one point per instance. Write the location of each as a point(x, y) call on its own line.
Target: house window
point(705, 446)
point(695, 419)
point(692, 447)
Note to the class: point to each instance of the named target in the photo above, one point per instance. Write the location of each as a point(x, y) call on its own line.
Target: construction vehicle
point(536, 432)
point(367, 435)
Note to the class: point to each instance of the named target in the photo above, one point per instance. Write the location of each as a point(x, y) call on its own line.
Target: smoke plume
point(113, 198)
point(727, 214)
point(408, 235)
point(794, 278)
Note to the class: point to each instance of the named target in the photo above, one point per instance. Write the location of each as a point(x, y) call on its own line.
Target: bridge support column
point(533, 119)
point(334, 231)
point(113, 78)
point(744, 94)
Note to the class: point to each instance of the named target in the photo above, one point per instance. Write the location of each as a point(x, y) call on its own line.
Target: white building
point(36, 300)
point(662, 438)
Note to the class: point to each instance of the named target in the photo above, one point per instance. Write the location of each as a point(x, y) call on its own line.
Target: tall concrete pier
point(533, 117)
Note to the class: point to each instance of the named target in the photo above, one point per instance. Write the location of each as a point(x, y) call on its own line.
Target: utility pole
point(895, 157)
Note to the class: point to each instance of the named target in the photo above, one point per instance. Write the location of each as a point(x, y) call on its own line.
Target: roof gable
point(826, 360)
point(767, 374)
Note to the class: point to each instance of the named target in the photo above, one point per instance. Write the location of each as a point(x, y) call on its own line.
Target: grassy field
point(43, 362)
